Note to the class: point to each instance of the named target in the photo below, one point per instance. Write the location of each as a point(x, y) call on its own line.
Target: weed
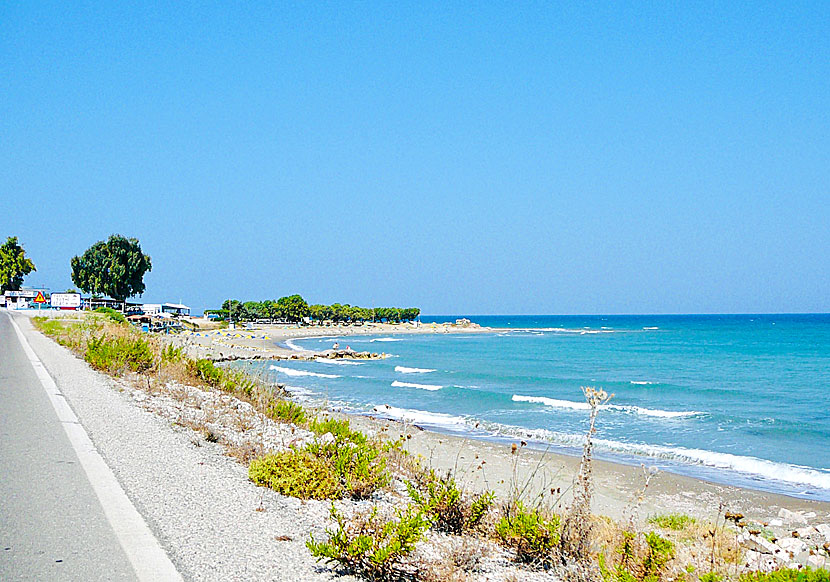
point(531, 534)
point(787, 575)
point(339, 428)
point(640, 559)
point(370, 545)
point(443, 502)
point(297, 473)
point(288, 412)
point(672, 521)
point(172, 354)
point(112, 314)
point(576, 529)
point(116, 354)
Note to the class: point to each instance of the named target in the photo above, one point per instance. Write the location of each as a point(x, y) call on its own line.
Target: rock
point(824, 530)
point(792, 545)
point(791, 516)
point(756, 561)
point(761, 545)
point(776, 522)
point(806, 532)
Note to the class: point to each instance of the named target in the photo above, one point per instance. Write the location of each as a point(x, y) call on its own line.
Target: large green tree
point(114, 267)
point(14, 265)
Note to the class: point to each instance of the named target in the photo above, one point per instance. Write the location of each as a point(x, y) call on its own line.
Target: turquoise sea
point(737, 399)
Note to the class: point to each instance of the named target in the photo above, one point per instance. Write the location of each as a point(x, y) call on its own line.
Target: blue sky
point(523, 158)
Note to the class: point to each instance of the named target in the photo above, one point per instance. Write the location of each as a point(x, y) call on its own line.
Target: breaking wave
point(292, 372)
point(571, 405)
point(397, 384)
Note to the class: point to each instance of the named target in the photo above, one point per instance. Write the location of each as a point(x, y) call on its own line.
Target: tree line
point(294, 308)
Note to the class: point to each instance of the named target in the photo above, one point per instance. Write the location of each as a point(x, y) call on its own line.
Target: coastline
point(617, 483)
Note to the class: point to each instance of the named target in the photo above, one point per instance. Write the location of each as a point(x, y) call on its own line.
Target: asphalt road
point(52, 526)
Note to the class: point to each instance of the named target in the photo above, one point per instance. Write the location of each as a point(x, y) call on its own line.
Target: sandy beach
point(617, 484)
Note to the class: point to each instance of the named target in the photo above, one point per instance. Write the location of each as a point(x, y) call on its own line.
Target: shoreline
point(617, 481)
point(245, 346)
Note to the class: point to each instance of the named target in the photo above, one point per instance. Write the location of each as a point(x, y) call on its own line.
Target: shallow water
point(735, 399)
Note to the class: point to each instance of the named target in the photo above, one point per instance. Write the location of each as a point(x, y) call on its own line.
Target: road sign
point(40, 298)
point(66, 300)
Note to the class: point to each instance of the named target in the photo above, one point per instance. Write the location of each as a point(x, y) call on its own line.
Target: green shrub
point(324, 471)
point(641, 559)
point(114, 355)
point(233, 381)
point(288, 412)
point(369, 545)
point(297, 473)
point(172, 354)
point(339, 428)
point(361, 468)
point(112, 314)
point(672, 521)
point(529, 533)
point(447, 507)
point(787, 575)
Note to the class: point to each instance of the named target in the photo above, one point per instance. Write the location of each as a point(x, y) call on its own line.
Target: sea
point(734, 399)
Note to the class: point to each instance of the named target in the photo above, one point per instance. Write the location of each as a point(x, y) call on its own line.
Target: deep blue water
point(742, 399)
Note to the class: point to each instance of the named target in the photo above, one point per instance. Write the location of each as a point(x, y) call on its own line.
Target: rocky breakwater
point(788, 540)
point(350, 355)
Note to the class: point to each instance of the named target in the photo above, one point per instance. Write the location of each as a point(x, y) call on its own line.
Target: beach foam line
point(397, 384)
point(290, 343)
point(753, 466)
point(337, 362)
point(571, 405)
point(437, 419)
point(405, 370)
point(292, 372)
point(384, 339)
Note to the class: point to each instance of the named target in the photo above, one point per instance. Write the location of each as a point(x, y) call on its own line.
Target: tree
point(293, 307)
point(14, 265)
point(114, 267)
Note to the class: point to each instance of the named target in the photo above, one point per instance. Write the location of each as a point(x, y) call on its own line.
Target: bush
point(361, 468)
point(112, 314)
point(324, 471)
point(113, 355)
point(529, 533)
point(232, 381)
point(339, 428)
point(288, 412)
point(787, 575)
point(672, 521)
point(297, 473)
point(369, 545)
point(447, 507)
point(641, 559)
point(172, 354)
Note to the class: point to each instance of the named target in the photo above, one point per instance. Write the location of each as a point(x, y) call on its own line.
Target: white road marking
point(147, 557)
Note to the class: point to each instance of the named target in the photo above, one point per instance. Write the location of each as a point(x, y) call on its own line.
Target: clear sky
point(464, 158)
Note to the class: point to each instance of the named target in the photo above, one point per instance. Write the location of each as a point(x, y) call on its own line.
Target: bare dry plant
point(575, 540)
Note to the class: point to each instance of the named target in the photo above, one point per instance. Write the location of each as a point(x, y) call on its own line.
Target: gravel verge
point(213, 523)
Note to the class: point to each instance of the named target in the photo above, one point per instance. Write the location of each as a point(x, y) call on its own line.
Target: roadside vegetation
point(403, 506)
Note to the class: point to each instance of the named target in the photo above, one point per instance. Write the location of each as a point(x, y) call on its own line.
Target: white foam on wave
point(753, 466)
point(293, 372)
point(571, 405)
point(384, 339)
point(641, 382)
point(405, 370)
point(650, 328)
point(290, 343)
point(337, 362)
point(437, 419)
point(397, 384)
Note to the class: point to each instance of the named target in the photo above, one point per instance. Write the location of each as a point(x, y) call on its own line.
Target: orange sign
point(40, 298)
